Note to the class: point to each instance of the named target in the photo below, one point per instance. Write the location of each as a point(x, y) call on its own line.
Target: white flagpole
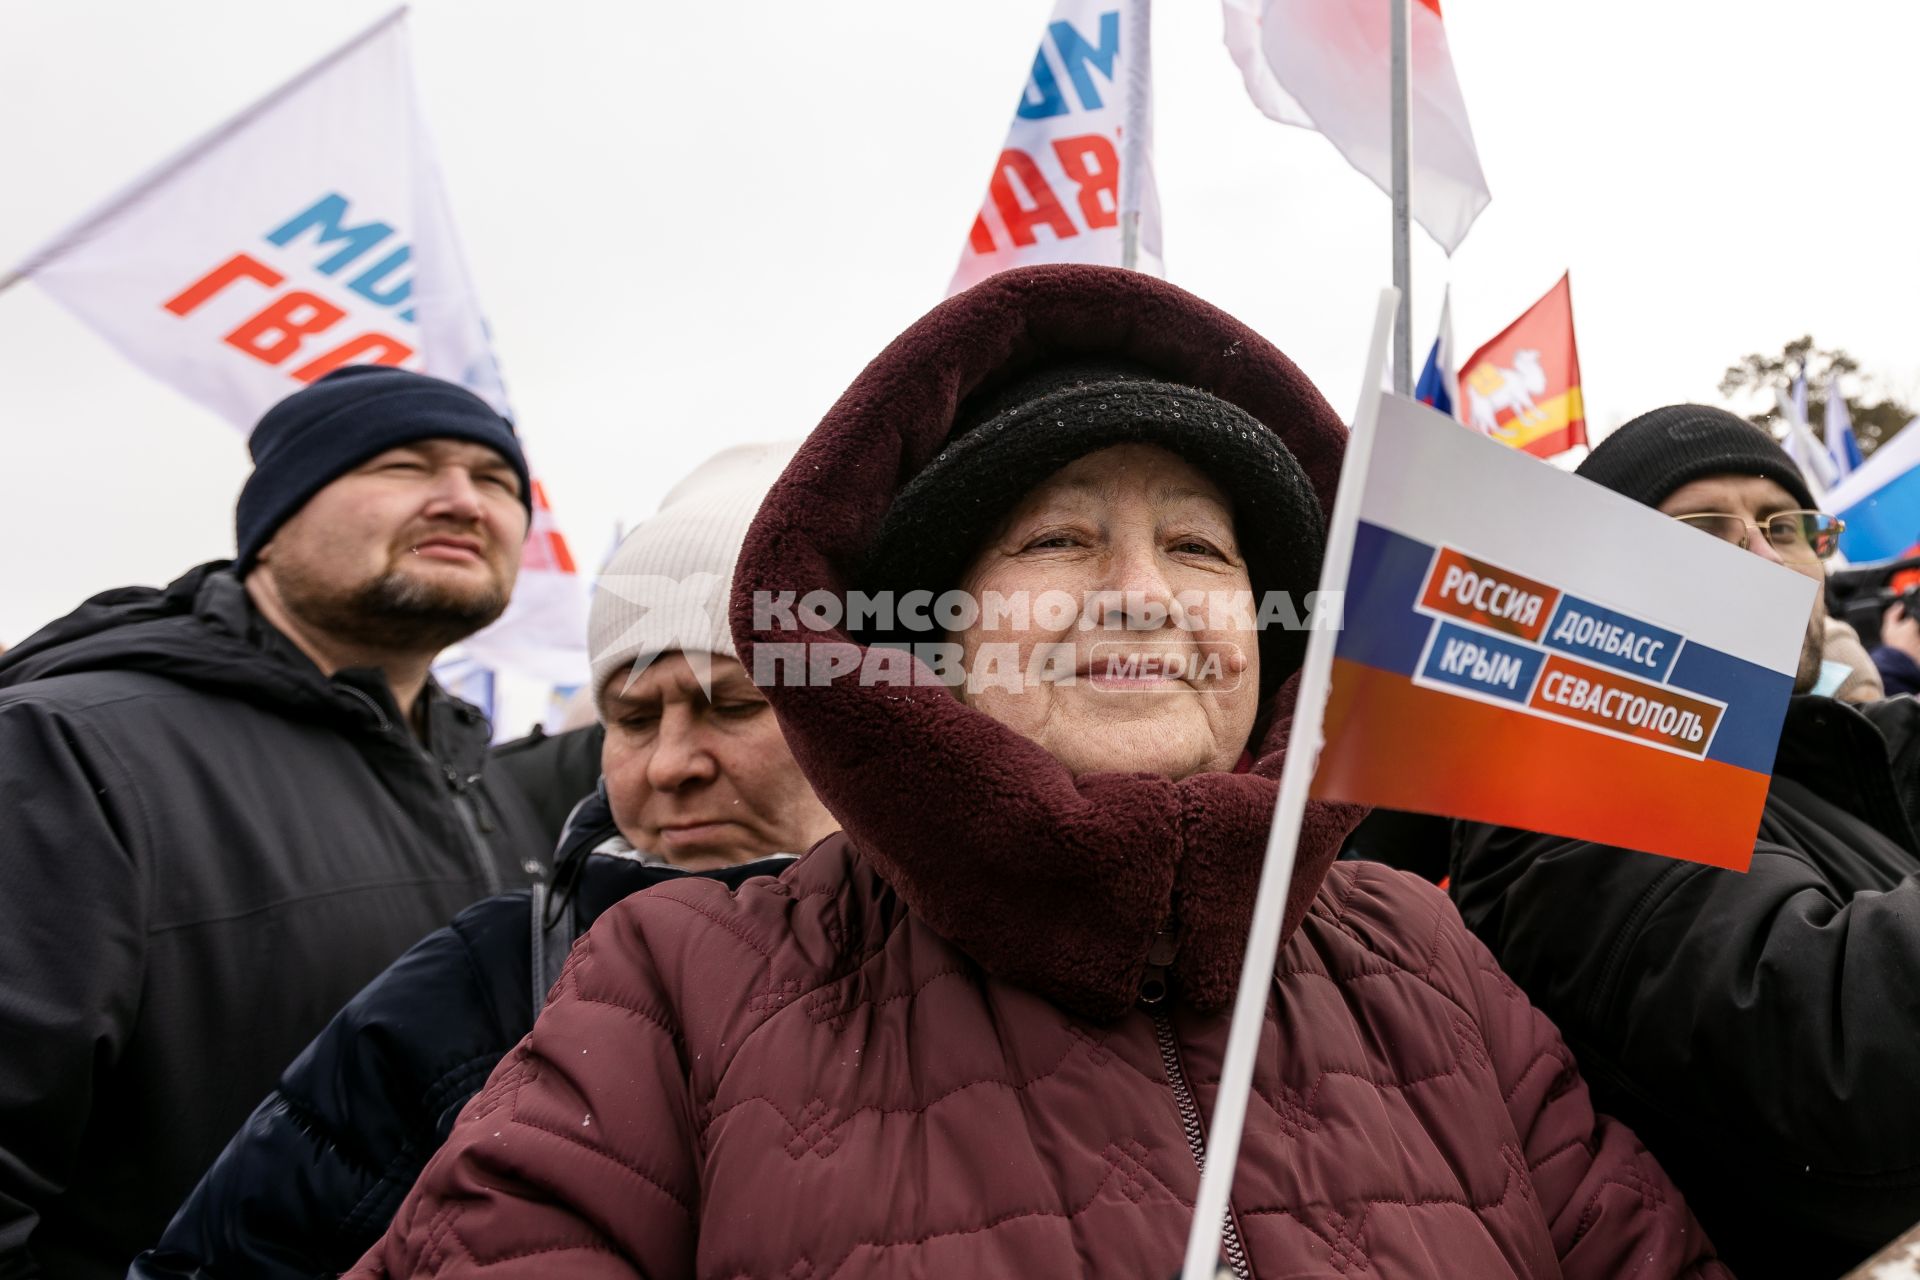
point(1138, 44)
point(1283, 838)
point(78, 233)
point(1400, 69)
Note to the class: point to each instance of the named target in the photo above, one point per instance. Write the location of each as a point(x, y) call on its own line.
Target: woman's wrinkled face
point(700, 774)
point(1141, 673)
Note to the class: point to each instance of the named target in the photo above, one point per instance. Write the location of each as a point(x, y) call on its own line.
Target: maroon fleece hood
point(1058, 884)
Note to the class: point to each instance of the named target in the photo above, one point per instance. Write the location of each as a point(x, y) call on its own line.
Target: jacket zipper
point(463, 804)
point(385, 725)
point(462, 799)
point(1153, 995)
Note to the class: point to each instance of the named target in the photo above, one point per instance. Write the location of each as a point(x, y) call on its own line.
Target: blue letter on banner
point(1612, 639)
point(1483, 663)
point(327, 215)
point(1076, 53)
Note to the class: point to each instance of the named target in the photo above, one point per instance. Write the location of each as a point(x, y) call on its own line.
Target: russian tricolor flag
point(1439, 385)
point(1523, 647)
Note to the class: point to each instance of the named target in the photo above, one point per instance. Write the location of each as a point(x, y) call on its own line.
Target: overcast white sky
point(692, 224)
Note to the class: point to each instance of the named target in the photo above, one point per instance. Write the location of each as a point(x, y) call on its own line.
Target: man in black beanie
point(227, 804)
point(1759, 1031)
point(1721, 474)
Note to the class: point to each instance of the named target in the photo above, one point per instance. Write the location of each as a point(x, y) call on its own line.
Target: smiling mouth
point(1124, 668)
point(1102, 678)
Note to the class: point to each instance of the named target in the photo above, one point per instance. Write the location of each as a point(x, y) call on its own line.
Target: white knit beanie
point(668, 584)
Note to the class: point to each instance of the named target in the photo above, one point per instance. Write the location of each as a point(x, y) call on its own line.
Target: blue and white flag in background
point(1808, 454)
point(1880, 500)
point(1439, 385)
point(1841, 443)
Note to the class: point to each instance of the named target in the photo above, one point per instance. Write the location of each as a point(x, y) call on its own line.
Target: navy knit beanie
point(1663, 449)
point(319, 433)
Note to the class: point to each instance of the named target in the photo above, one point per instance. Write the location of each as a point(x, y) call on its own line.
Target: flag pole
point(1400, 71)
point(79, 231)
point(1283, 837)
point(1138, 43)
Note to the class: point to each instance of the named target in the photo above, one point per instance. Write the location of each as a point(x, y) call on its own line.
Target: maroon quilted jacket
point(923, 1051)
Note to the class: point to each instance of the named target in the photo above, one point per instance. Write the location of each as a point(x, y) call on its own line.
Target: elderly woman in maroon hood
point(978, 1033)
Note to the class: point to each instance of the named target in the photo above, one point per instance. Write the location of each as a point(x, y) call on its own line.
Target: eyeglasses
point(1793, 535)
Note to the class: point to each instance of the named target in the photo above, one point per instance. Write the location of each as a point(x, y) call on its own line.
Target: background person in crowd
point(1760, 1031)
point(1847, 672)
point(1897, 656)
point(696, 777)
point(978, 1033)
point(230, 802)
point(553, 770)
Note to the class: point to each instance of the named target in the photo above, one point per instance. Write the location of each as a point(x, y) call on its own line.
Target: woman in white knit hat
point(694, 764)
point(696, 779)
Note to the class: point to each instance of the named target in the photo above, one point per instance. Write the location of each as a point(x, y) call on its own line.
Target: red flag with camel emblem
point(1523, 388)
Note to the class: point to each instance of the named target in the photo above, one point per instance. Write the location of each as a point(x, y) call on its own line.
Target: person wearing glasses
point(1759, 1031)
point(1745, 511)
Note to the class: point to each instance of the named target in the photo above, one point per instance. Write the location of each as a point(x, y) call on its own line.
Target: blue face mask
point(1832, 676)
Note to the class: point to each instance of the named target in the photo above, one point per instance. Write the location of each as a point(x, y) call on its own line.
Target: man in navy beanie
point(227, 804)
point(1760, 1031)
point(383, 520)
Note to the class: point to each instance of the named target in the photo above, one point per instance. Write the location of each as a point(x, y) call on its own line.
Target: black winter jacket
point(206, 847)
point(321, 1166)
point(553, 770)
point(1760, 1032)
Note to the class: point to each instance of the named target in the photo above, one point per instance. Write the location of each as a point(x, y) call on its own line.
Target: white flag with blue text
point(309, 232)
point(1056, 190)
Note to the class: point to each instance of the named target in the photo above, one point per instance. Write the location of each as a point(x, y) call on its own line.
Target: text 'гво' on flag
point(309, 232)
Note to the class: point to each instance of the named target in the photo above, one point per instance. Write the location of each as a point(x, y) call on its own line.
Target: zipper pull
point(1154, 986)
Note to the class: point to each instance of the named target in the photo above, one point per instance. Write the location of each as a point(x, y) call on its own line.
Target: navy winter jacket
point(1899, 673)
point(312, 1179)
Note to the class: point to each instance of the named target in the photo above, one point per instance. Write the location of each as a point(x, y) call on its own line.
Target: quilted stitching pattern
point(816, 1134)
point(1412, 1114)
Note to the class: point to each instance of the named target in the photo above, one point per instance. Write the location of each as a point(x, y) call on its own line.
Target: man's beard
point(1813, 650)
point(396, 612)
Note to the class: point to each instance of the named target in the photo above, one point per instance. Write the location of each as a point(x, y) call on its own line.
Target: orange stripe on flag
point(1398, 746)
point(1550, 417)
point(546, 547)
point(1523, 387)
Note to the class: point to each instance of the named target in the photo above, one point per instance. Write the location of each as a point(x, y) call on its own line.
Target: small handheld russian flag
point(1520, 646)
